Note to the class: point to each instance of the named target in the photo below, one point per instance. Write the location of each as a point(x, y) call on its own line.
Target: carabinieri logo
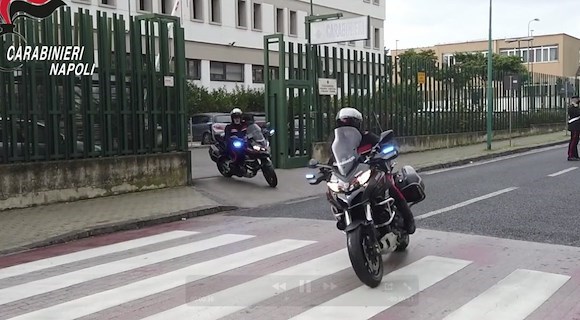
point(10, 10)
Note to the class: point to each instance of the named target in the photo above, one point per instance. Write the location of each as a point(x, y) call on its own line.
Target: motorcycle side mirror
point(386, 136)
point(313, 163)
point(315, 178)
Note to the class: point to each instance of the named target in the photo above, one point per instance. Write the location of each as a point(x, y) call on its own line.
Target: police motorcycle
point(255, 148)
point(358, 191)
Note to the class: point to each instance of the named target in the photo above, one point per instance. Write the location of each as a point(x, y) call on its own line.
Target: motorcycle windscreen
point(344, 148)
point(254, 132)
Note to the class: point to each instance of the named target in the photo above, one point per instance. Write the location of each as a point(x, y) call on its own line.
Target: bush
point(199, 99)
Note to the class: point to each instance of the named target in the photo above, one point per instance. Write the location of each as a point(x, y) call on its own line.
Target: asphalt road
point(513, 198)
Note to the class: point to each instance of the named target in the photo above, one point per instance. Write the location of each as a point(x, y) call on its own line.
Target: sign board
point(511, 82)
point(421, 77)
point(340, 30)
point(168, 81)
point(327, 87)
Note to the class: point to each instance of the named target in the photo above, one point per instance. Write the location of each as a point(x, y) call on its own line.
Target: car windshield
point(344, 148)
point(223, 119)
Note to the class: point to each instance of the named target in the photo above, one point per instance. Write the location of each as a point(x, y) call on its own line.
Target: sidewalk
point(21, 229)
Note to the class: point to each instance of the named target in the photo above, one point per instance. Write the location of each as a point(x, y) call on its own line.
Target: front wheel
point(365, 256)
point(222, 166)
point(270, 175)
point(403, 243)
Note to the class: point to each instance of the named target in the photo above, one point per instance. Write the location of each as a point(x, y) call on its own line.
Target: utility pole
point(489, 83)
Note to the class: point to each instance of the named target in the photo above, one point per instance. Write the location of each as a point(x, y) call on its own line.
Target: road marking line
point(29, 267)
point(364, 302)
point(38, 287)
point(491, 161)
point(226, 302)
point(111, 298)
point(465, 203)
point(562, 172)
point(513, 298)
point(302, 200)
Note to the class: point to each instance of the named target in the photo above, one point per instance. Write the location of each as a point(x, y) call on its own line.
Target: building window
point(534, 54)
point(377, 2)
point(257, 74)
point(197, 7)
point(280, 20)
point(257, 16)
point(215, 11)
point(166, 6)
point(293, 23)
point(448, 59)
point(222, 71)
point(145, 5)
point(111, 3)
point(377, 37)
point(193, 69)
point(242, 14)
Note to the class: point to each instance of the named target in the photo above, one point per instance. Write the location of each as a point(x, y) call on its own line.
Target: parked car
point(205, 125)
point(41, 143)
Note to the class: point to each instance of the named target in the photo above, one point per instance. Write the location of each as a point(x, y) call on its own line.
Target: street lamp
point(489, 83)
point(529, 35)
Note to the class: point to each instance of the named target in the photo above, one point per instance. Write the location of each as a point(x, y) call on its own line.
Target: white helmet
point(349, 117)
point(236, 113)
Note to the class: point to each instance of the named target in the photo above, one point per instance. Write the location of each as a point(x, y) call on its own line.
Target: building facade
point(556, 54)
point(224, 38)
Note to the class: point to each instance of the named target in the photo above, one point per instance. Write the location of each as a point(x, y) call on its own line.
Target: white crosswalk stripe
point(512, 297)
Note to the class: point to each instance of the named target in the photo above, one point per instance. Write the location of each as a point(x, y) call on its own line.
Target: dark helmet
point(236, 113)
point(350, 117)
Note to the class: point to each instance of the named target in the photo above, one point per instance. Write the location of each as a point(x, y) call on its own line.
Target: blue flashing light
point(238, 144)
point(387, 149)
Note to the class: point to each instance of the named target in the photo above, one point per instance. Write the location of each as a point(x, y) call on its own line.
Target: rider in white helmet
point(351, 117)
point(238, 128)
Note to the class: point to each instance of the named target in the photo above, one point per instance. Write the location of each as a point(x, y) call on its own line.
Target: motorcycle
point(358, 191)
point(255, 149)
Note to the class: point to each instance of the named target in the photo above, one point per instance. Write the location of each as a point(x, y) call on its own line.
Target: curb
point(118, 226)
point(486, 157)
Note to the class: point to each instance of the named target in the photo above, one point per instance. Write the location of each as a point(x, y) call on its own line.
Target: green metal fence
point(414, 97)
point(126, 107)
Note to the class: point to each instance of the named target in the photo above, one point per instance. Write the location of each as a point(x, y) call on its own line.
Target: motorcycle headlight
point(364, 177)
point(257, 148)
point(333, 186)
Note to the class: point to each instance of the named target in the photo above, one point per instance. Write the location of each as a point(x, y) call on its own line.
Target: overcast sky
point(420, 23)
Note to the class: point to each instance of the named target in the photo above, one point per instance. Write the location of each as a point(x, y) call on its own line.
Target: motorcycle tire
point(356, 241)
point(220, 166)
point(270, 175)
point(403, 243)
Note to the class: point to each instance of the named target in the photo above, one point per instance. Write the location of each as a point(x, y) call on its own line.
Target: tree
point(411, 62)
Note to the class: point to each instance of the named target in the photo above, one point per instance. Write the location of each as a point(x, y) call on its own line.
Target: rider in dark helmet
point(353, 118)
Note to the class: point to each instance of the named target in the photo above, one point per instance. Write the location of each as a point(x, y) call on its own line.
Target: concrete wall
point(29, 184)
point(422, 143)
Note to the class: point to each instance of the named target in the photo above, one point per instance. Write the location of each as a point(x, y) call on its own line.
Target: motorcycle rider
point(236, 128)
point(353, 118)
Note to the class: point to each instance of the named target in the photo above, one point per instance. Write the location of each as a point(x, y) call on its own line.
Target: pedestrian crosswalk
point(233, 275)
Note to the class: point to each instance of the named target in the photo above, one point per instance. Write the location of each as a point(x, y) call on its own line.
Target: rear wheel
point(365, 256)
